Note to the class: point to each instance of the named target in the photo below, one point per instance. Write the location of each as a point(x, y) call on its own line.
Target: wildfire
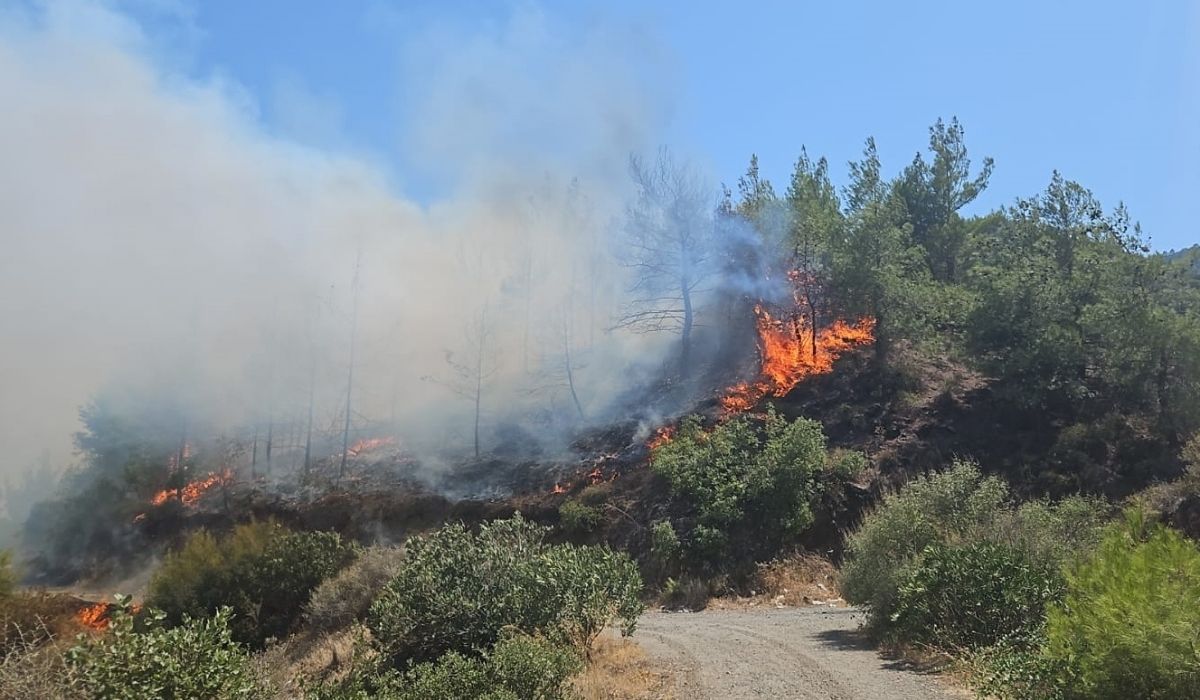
point(192, 492)
point(93, 617)
point(369, 444)
point(791, 353)
point(661, 437)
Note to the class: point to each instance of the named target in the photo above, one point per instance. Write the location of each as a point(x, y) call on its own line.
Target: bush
point(578, 519)
point(1018, 670)
point(686, 594)
point(955, 509)
point(197, 660)
point(1129, 624)
point(457, 591)
point(519, 667)
point(665, 548)
point(973, 596)
point(262, 571)
point(758, 484)
point(957, 505)
point(346, 597)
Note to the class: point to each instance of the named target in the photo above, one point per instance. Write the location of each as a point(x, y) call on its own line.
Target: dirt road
point(803, 653)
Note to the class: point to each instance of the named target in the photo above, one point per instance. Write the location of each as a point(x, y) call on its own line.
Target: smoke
point(160, 244)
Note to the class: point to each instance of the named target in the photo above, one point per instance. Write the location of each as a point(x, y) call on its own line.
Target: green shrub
point(954, 506)
point(519, 667)
point(577, 518)
point(198, 660)
point(1129, 625)
point(457, 591)
point(973, 596)
point(347, 596)
point(685, 594)
point(1018, 670)
point(958, 508)
point(262, 571)
point(754, 482)
point(665, 549)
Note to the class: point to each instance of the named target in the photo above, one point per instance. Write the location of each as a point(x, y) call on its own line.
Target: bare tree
point(350, 367)
point(670, 239)
point(561, 360)
point(473, 369)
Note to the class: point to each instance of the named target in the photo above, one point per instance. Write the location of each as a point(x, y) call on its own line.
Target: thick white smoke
point(155, 237)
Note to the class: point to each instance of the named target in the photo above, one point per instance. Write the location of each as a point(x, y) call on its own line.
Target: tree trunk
point(686, 339)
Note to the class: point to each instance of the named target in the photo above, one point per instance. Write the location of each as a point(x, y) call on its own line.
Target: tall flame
point(791, 353)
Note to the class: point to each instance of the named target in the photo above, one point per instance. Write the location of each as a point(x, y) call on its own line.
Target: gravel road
point(803, 653)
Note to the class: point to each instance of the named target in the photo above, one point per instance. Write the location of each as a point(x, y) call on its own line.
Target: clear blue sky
point(1106, 92)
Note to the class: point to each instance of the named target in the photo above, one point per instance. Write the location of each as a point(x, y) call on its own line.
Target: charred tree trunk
point(685, 348)
point(350, 369)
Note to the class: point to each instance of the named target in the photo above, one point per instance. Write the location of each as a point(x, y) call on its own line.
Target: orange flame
point(192, 492)
point(661, 437)
point(559, 488)
point(93, 617)
point(790, 354)
point(368, 444)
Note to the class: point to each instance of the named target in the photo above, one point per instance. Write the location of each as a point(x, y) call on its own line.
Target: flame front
point(368, 444)
point(93, 617)
point(791, 352)
point(192, 492)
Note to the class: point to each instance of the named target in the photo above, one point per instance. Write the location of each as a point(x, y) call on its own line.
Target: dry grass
point(620, 670)
point(308, 657)
point(794, 581)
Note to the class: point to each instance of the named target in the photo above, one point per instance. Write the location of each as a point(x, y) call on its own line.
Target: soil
point(800, 653)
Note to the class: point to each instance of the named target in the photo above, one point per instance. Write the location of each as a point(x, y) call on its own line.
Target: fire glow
point(193, 491)
point(93, 617)
point(791, 353)
point(370, 444)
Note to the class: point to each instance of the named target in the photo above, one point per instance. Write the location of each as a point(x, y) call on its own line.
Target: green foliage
point(960, 508)
point(576, 518)
point(973, 596)
point(1129, 625)
point(8, 577)
point(347, 596)
point(262, 571)
point(665, 548)
point(197, 660)
point(458, 590)
point(1017, 670)
point(954, 506)
point(519, 667)
point(756, 484)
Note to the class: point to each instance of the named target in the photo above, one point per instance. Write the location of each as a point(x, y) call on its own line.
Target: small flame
point(558, 488)
point(661, 437)
point(369, 444)
point(94, 617)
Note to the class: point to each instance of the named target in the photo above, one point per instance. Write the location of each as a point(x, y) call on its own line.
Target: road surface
point(803, 653)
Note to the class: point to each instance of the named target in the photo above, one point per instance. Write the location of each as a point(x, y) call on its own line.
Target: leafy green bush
point(665, 548)
point(1129, 625)
point(957, 505)
point(756, 483)
point(457, 591)
point(1018, 670)
point(262, 571)
point(198, 660)
point(577, 518)
point(973, 596)
point(347, 596)
point(958, 508)
point(519, 667)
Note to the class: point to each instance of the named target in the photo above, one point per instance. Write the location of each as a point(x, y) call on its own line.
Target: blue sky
point(1106, 92)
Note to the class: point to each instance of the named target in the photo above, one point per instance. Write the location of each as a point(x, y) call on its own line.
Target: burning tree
point(671, 239)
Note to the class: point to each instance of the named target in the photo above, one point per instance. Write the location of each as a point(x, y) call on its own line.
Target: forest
point(981, 427)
